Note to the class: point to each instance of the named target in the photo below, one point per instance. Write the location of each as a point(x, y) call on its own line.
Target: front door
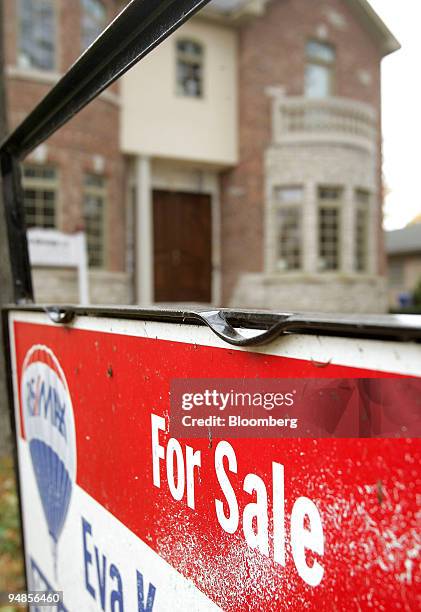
point(182, 247)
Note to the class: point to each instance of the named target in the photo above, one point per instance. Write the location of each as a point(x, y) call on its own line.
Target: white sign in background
point(51, 248)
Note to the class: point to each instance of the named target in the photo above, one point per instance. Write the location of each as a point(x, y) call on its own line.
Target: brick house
point(76, 179)
point(403, 249)
point(239, 164)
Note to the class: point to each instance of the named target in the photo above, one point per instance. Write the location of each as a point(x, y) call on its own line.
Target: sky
point(401, 113)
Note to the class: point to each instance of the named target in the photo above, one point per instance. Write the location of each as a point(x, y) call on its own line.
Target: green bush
point(11, 562)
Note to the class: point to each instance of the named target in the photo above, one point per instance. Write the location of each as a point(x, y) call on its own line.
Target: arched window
point(189, 68)
point(319, 72)
point(94, 20)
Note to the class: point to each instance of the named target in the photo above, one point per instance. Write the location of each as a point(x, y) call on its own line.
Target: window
point(40, 195)
point(189, 68)
point(36, 34)
point(94, 216)
point(361, 229)
point(319, 70)
point(288, 220)
point(94, 20)
point(289, 239)
point(329, 228)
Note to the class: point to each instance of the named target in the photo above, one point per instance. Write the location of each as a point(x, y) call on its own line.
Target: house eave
point(375, 25)
point(362, 9)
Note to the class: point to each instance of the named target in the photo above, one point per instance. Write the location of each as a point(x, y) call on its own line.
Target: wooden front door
point(182, 247)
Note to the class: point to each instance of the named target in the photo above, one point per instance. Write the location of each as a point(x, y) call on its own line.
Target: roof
point(361, 8)
point(406, 240)
point(368, 16)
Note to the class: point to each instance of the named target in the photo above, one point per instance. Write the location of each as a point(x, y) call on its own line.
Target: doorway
point(182, 223)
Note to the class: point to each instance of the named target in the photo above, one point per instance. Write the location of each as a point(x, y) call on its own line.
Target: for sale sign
point(162, 469)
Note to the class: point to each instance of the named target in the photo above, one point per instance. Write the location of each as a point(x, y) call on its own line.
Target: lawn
point(11, 561)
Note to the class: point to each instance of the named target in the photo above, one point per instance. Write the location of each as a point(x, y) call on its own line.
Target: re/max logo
point(44, 400)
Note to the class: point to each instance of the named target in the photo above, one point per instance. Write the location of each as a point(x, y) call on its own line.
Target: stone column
point(373, 216)
point(347, 240)
point(144, 232)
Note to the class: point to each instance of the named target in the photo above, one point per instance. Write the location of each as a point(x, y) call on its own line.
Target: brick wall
point(409, 265)
point(272, 53)
point(88, 143)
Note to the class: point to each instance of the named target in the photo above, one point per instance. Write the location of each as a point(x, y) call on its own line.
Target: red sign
point(249, 523)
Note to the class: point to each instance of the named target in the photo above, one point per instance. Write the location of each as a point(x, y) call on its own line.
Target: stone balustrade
point(327, 120)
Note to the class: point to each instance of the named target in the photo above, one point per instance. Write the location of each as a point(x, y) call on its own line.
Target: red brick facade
point(272, 53)
point(92, 133)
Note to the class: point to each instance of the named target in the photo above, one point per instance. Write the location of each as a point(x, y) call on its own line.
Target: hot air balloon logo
point(50, 432)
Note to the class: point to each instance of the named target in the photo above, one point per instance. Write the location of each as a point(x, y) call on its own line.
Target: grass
point(11, 560)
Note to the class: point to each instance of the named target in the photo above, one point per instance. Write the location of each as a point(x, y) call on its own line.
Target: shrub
point(417, 294)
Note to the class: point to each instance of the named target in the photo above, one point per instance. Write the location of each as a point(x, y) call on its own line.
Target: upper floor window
point(36, 34)
point(40, 188)
point(289, 231)
point(329, 228)
point(94, 216)
point(319, 71)
point(94, 20)
point(189, 68)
